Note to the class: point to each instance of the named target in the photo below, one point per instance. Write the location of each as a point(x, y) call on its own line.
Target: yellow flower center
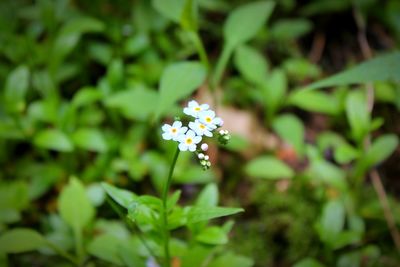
point(189, 141)
point(202, 126)
point(208, 119)
point(197, 108)
point(173, 130)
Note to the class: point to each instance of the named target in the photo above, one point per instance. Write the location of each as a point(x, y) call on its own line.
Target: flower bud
point(204, 147)
point(206, 157)
point(200, 156)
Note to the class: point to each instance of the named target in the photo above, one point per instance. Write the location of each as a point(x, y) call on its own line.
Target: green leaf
point(212, 236)
point(300, 69)
point(321, 170)
point(251, 64)
point(380, 150)
point(331, 222)
point(308, 262)
point(53, 139)
point(274, 90)
point(21, 240)
point(198, 214)
point(381, 68)
point(121, 196)
point(291, 130)
point(137, 103)
point(208, 196)
point(86, 96)
point(246, 21)
point(74, 205)
point(16, 87)
point(171, 9)
point(13, 199)
point(178, 81)
point(91, 139)
point(106, 247)
point(232, 260)
point(290, 29)
point(268, 167)
point(358, 114)
point(189, 16)
point(315, 101)
point(345, 153)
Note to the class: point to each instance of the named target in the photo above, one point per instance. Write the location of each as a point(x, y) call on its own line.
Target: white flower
point(200, 128)
point(189, 141)
point(208, 118)
point(201, 156)
point(204, 147)
point(173, 131)
point(193, 108)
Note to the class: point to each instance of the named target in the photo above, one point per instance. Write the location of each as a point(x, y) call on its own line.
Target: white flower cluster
point(204, 124)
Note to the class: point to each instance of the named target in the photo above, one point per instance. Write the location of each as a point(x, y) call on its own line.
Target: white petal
point(204, 106)
point(181, 138)
point(182, 147)
point(187, 111)
point(177, 124)
point(192, 148)
point(197, 139)
point(190, 133)
point(193, 103)
point(208, 133)
point(166, 136)
point(166, 127)
point(183, 130)
point(192, 125)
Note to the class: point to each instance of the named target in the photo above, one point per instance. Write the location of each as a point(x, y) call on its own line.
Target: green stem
point(194, 35)
point(221, 65)
point(79, 246)
point(167, 256)
point(63, 253)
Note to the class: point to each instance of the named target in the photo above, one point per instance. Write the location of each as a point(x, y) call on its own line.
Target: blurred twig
point(374, 175)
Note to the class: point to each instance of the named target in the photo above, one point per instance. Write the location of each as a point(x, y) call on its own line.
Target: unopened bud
point(204, 147)
point(206, 157)
point(200, 156)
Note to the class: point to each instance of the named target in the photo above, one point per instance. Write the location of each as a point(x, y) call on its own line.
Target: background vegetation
point(313, 160)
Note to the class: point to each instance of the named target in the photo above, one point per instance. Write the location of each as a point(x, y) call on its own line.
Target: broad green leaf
point(268, 167)
point(358, 114)
point(380, 149)
point(53, 139)
point(212, 235)
point(121, 196)
point(291, 130)
point(208, 196)
point(308, 262)
point(74, 205)
point(290, 29)
point(106, 247)
point(171, 9)
point(198, 214)
point(251, 64)
point(138, 103)
point(274, 91)
point(20, 240)
point(178, 81)
point(381, 68)
point(300, 69)
point(315, 101)
point(331, 222)
point(16, 87)
point(91, 139)
point(86, 96)
point(246, 21)
point(232, 260)
point(13, 199)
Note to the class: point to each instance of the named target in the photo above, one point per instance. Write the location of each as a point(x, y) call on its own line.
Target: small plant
point(155, 218)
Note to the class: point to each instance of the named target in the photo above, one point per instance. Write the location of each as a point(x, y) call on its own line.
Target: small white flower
point(221, 132)
point(189, 141)
point(193, 108)
point(204, 147)
point(201, 156)
point(206, 157)
point(200, 128)
point(208, 118)
point(173, 131)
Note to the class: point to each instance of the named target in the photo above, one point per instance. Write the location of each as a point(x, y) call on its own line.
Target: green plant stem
point(63, 253)
point(194, 36)
point(221, 66)
point(79, 246)
point(167, 256)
